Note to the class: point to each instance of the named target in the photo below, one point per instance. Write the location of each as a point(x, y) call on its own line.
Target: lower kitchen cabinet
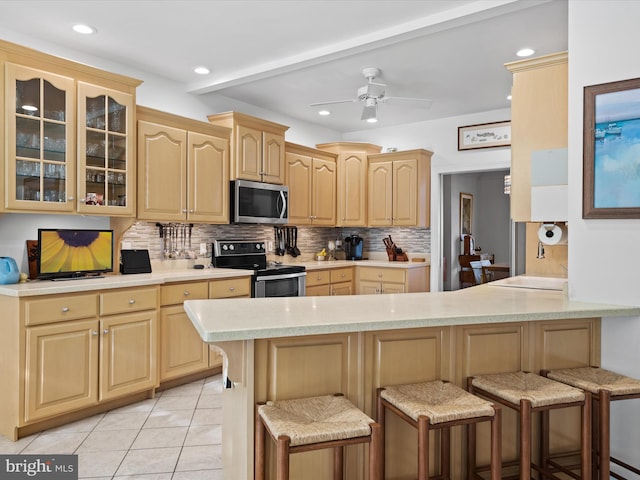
point(379, 280)
point(182, 351)
point(336, 281)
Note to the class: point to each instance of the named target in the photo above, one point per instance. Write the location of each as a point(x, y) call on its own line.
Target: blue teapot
point(9, 272)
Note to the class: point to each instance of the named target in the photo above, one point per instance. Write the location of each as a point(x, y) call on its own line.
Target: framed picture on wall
point(611, 150)
point(484, 135)
point(466, 213)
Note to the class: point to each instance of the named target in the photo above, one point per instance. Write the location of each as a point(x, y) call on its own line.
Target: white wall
point(602, 256)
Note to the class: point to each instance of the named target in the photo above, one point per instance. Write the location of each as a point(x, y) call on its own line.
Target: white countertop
point(246, 319)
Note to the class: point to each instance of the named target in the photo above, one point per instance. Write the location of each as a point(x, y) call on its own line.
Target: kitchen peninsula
point(281, 348)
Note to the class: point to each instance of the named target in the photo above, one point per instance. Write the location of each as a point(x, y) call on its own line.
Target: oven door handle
point(284, 276)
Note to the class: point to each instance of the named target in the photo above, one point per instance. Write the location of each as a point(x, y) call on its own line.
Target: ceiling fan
point(373, 93)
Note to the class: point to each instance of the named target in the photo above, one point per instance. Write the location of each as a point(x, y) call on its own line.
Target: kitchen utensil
point(287, 231)
point(9, 272)
point(296, 250)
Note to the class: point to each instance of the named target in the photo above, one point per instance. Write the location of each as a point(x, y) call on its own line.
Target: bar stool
point(314, 423)
point(527, 393)
point(439, 405)
point(606, 387)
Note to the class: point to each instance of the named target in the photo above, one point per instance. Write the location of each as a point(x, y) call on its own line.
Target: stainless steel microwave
point(257, 202)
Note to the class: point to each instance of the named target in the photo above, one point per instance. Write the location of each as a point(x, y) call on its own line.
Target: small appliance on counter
point(353, 247)
point(9, 271)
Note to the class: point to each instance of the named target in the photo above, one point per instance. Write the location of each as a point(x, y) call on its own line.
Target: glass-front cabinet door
point(41, 131)
point(106, 173)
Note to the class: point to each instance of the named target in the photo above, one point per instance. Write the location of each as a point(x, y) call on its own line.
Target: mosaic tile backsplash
point(146, 235)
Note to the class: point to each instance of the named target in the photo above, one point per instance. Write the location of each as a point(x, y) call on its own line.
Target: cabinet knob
point(232, 289)
point(186, 293)
point(65, 309)
point(184, 210)
point(191, 211)
point(94, 333)
point(131, 301)
point(343, 275)
point(71, 198)
point(105, 331)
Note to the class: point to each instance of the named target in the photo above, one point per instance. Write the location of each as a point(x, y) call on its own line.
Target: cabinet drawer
point(228, 288)
point(60, 308)
point(178, 293)
point(341, 275)
point(130, 300)
point(318, 277)
point(318, 291)
point(393, 275)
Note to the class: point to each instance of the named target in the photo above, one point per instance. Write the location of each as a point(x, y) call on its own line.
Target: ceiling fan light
point(370, 109)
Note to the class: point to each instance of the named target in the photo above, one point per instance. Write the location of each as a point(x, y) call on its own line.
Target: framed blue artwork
point(611, 150)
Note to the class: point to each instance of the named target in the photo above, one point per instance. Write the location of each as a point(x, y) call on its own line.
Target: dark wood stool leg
point(445, 453)
point(544, 439)
point(604, 447)
point(595, 435)
point(338, 462)
point(423, 448)
point(282, 458)
point(496, 444)
point(585, 438)
point(471, 450)
point(380, 418)
point(259, 454)
point(525, 440)
point(375, 452)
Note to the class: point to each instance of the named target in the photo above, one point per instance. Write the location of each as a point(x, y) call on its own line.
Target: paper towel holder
point(551, 233)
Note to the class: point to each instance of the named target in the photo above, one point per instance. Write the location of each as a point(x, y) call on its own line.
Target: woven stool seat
point(315, 419)
point(516, 386)
point(595, 379)
point(438, 400)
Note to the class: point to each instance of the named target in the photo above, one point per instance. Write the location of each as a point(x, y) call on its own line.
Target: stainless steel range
point(269, 279)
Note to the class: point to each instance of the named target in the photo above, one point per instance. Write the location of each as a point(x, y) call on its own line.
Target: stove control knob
point(258, 246)
point(231, 247)
point(224, 247)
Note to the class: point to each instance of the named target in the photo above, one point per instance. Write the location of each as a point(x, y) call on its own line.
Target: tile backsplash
point(146, 235)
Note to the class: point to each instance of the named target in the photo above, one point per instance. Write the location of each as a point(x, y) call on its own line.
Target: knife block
point(396, 257)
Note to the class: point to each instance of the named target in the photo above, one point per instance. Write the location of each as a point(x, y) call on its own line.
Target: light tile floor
point(176, 435)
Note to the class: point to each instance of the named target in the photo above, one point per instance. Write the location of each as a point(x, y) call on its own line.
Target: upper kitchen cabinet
point(183, 169)
point(539, 124)
point(399, 186)
point(70, 136)
point(351, 195)
point(311, 178)
point(257, 147)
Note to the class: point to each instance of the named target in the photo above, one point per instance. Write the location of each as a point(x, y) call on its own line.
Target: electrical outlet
point(269, 245)
point(125, 245)
point(203, 249)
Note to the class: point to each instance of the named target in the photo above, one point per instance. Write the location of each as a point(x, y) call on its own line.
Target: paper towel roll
point(551, 234)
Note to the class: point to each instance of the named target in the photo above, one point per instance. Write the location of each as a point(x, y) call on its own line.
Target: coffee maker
point(353, 247)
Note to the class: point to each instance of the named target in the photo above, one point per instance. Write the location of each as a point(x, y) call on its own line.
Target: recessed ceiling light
point(372, 120)
point(508, 97)
point(202, 70)
point(324, 113)
point(84, 29)
point(525, 52)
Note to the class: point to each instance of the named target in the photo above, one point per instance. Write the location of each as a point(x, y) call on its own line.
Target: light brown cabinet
point(311, 178)
point(83, 349)
point(333, 281)
point(399, 189)
point(351, 195)
point(257, 147)
point(381, 280)
point(539, 120)
point(50, 112)
point(182, 351)
point(183, 168)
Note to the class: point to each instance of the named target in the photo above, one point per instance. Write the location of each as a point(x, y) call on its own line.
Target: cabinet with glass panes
point(70, 136)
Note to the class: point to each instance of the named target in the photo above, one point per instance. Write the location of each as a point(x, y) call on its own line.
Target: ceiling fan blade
point(427, 101)
point(333, 102)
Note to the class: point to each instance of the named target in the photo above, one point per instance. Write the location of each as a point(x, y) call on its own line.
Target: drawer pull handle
point(186, 293)
point(343, 275)
point(232, 289)
point(131, 301)
point(105, 331)
point(65, 309)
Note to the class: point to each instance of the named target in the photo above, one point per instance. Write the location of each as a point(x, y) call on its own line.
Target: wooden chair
point(605, 386)
point(527, 393)
point(314, 423)
point(439, 405)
